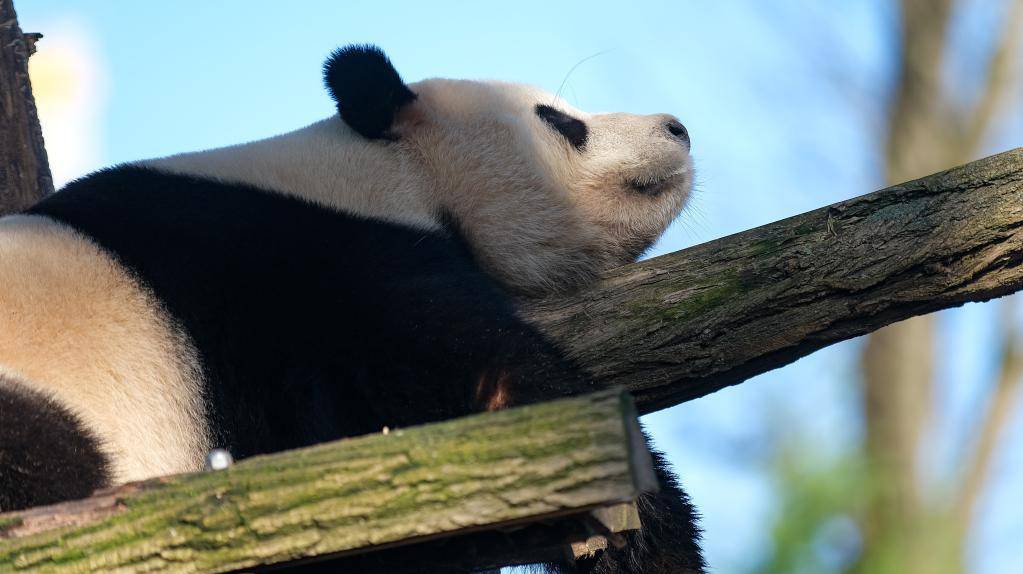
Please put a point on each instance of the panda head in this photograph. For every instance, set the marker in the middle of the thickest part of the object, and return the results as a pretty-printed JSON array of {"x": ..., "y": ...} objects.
[{"x": 547, "y": 196}]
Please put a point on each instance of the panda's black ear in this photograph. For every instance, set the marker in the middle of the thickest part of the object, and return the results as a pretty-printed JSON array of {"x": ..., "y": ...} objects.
[{"x": 367, "y": 89}]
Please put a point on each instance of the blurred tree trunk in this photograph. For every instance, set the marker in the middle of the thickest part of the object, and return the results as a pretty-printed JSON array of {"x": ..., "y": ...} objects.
[
  {"x": 24, "y": 172},
  {"x": 925, "y": 134},
  {"x": 898, "y": 360}
]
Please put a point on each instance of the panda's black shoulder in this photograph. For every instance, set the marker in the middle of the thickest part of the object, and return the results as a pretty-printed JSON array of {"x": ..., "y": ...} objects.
[
  {"x": 205, "y": 244},
  {"x": 298, "y": 312}
]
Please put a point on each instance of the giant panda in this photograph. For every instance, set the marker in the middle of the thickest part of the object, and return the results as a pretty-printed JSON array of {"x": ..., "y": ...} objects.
[{"x": 359, "y": 272}]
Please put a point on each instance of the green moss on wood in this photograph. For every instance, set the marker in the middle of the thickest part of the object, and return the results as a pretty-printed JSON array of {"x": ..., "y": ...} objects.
[
  {"x": 675, "y": 302},
  {"x": 476, "y": 472},
  {"x": 7, "y": 522}
]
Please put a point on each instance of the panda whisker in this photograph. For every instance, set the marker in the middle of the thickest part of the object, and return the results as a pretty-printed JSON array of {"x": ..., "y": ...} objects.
[{"x": 557, "y": 94}]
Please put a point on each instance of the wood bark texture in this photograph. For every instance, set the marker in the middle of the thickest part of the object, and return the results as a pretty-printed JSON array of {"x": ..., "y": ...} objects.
[
  {"x": 494, "y": 470},
  {"x": 683, "y": 325},
  {"x": 24, "y": 172}
]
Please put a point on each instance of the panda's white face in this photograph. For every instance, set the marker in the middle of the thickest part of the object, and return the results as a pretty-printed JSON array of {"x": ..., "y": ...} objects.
[{"x": 548, "y": 195}]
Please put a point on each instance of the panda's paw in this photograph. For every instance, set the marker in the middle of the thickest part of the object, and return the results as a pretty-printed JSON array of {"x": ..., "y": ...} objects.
[{"x": 668, "y": 543}]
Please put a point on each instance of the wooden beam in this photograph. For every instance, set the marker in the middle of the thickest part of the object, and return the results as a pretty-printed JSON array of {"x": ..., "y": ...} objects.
[
  {"x": 24, "y": 172},
  {"x": 493, "y": 474},
  {"x": 686, "y": 324}
]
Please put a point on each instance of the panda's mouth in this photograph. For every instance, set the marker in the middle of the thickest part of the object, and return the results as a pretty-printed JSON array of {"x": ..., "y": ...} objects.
[{"x": 657, "y": 186}]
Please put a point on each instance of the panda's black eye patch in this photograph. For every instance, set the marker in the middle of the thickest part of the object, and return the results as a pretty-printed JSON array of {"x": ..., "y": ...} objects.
[{"x": 574, "y": 130}]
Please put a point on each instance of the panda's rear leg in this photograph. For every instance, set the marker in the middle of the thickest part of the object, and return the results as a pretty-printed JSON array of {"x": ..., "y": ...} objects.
[
  {"x": 668, "y": 543},
  {"x": 46, "y": 454}
]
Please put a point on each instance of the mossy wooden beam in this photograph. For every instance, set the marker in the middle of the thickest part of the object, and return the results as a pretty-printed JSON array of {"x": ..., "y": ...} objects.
[
  {"x": 500, "y": 471},
  {"x": 686, "y": 324}
]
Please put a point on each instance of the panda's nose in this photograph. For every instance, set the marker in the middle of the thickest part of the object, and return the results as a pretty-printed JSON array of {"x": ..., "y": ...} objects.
[{"x": 678, "y": 131}]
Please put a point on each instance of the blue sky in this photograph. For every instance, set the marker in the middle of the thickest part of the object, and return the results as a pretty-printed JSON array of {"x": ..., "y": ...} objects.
[{"x": 780, "y": 100}]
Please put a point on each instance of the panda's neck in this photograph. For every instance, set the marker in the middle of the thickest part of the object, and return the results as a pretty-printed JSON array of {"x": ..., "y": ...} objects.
[{"x": 325, "y": 163}]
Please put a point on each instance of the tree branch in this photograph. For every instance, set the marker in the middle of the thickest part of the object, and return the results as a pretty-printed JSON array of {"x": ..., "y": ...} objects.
[
  {"x": 686, "y": 324},
  {"x": 24, "y": 172}
]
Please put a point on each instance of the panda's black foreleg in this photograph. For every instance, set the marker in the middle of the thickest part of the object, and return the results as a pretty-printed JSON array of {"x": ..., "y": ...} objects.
[
  {"x": 46, "y": 454},
  {"x": 668, "y": 543}
]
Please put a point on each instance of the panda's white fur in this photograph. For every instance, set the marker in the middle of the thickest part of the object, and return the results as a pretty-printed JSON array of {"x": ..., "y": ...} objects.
[
  {"x": 541, "y": 215},
  {"x": 78, "y": 328}
]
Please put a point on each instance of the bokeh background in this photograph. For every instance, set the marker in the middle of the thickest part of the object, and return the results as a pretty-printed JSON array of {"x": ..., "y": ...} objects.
[{"x": 898, "y": 453}]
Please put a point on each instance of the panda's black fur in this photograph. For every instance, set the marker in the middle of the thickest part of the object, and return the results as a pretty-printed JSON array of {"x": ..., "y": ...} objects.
[
  {"x": 310, "y": 324},
  {"x": 47, "y": 454},
  {"x": 366, "y": 88}
]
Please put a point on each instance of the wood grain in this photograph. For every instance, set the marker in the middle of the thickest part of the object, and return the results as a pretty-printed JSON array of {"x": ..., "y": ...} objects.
[{"x": 480, "y": 473}]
